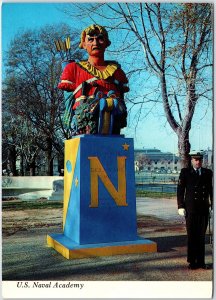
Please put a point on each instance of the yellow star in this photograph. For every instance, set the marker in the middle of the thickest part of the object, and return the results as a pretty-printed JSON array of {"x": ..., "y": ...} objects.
[
  {"x": 125, "y": 146},
  {"x": 76, "y": 182}
]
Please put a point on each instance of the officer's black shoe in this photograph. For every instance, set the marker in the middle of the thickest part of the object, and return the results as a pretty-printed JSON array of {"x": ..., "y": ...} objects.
[
  {"x": 204, "y": 266},
  {"x": 192, "y": 266}
]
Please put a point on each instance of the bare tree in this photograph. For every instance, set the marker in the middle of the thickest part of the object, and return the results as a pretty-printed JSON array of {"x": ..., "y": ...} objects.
[
  {"x": 143, "y": 160},
  {"x": 30, "y": 88},
  {"x": 18, "y": 135},
  {"x": 176, "y": 40}
]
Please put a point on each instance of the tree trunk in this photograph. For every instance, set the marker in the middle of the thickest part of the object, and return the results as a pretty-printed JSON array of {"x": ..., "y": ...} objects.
[
  {"x": 32, "y": 168},
  {"x": 49, "y": 158},
  {"x": 50, "y": 165},
  {"x": 12, "y": 160},
  {"x": 184, "y": 148},
  {"x": 21, "y": 165}
]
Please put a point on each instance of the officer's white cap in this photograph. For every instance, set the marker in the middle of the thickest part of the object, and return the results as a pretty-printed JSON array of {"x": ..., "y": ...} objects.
[{"x": 196, "y": 154}]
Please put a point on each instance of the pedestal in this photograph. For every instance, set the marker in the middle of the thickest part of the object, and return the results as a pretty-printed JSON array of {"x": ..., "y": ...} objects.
[{"x": 99, "y": 214}]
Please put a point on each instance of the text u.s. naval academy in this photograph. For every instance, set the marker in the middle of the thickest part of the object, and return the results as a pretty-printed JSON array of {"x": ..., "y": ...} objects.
[{"x": 48, "y": 285}]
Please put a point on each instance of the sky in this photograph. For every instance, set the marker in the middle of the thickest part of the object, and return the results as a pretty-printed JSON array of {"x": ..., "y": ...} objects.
[{"x": 152, "y": 132}]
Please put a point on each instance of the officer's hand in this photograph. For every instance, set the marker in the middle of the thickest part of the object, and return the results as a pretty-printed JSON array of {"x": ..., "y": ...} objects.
[{"x": 182, "y": 212}]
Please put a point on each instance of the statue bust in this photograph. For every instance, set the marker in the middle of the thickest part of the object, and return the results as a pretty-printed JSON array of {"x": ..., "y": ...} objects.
[{"x": 94, "y": 89}]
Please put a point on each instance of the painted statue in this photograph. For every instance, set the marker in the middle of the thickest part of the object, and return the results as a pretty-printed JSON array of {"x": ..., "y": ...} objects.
[{"x": 94, "y": 89}]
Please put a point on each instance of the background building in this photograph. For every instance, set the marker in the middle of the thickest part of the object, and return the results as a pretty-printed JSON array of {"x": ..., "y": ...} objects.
[{"x": 154, "y": 160}]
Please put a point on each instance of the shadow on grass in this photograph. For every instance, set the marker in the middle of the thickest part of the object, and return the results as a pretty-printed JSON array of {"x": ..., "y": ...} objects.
[{"x": 169, "y": 243}]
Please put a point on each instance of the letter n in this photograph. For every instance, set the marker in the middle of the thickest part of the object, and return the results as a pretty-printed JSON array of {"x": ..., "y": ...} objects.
[{"x": 97, "y": 170}]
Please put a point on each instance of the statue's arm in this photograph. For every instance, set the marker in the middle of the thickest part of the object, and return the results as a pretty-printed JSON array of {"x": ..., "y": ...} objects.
[{"x": 67, "y": 79}]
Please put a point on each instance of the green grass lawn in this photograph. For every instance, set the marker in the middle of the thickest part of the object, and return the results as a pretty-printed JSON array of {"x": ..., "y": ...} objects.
[
  {"x": 33, "y": 204},
  {"x": 17, "y": 204},
  {"x": 151, "y": 194}
]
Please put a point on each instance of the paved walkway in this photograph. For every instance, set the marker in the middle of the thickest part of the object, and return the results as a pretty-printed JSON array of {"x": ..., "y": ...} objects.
[{"x": 161, "y": 208}]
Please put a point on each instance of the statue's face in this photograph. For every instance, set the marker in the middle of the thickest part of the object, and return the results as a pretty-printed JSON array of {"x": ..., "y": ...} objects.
[{"x": 95, "y": 44}]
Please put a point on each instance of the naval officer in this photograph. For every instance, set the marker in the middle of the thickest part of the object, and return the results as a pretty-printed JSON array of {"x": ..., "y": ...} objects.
[{"x": 195, "y": 202}]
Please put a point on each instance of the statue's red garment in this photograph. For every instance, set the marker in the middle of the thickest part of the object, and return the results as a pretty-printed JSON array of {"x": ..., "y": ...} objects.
[{"x": 112, "y": 78}]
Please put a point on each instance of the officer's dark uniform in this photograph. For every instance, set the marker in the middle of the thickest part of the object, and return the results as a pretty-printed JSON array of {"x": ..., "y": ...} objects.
[{"x": 194, "y": 194}]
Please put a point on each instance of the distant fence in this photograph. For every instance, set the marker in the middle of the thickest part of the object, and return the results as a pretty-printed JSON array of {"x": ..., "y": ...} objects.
[
  {"x": 156, "y": 182},
  {"x": 156, "y": 178},
  {"x": 162, "y": 188}
]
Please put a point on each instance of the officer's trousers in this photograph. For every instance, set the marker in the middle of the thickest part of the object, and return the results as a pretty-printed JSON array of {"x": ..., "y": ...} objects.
[{"x": 196, "y": 228}]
